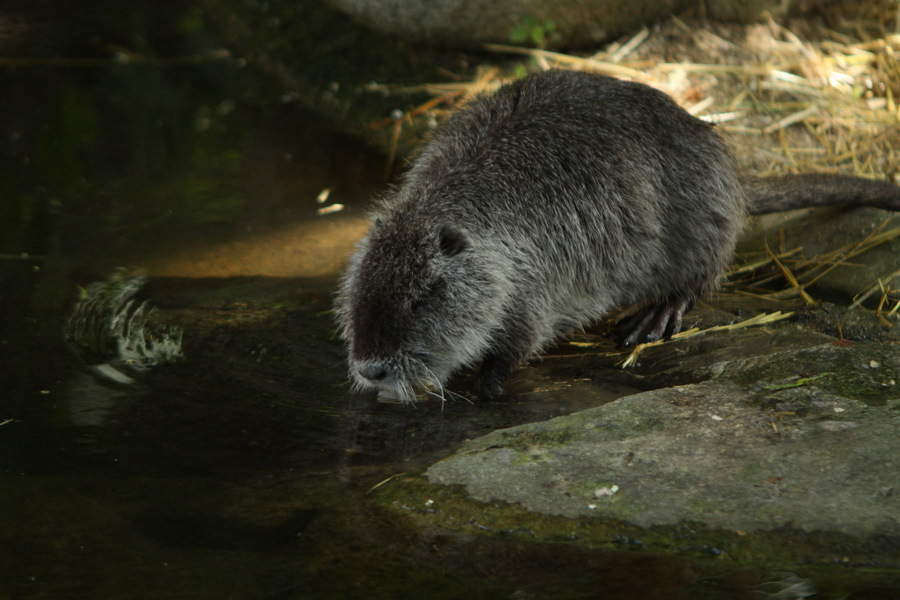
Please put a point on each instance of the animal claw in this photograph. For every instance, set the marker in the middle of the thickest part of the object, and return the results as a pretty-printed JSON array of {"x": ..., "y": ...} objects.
[{"x": 657, "y": 321}]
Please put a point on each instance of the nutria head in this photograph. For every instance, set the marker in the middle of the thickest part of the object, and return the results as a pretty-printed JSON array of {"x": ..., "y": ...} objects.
[{"x": 418, "y": 302}]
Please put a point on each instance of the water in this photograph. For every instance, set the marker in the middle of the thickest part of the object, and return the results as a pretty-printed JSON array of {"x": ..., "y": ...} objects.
[{"x": 241, "y": 470}]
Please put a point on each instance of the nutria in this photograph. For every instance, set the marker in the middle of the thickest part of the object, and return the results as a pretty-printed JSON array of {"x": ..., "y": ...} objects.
[{"x": 559, "y": 199}]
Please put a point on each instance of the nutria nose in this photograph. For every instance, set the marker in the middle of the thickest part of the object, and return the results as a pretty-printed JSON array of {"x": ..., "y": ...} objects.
[{"x": 372, "y": 371}]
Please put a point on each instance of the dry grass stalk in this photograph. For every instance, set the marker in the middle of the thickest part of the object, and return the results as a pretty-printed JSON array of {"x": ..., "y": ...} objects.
[
  {"x": 885, "y": 290},
  {"x": 752, "y": 267},
  {"x": 847, "y": 252},
  {"x": 760, "y": 319},
  {"x": 895, "y": 309},
  {"x": 556, "y": 59},
  {"x": 789, "y": 276},
  {"x": 880, "y": 285},
  {"x": 758, "y": 273},
  {"x": 826, "y": 105}
]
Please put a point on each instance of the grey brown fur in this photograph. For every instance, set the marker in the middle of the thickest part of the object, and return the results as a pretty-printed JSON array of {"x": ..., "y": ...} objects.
[{"x": 559, "y": 199}]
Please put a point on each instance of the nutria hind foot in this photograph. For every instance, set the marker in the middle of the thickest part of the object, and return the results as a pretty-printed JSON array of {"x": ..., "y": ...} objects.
[{"x": 655, "y": 322}]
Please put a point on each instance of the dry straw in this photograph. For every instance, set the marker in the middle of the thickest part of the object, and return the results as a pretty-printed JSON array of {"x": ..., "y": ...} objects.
[{"x": 812, "y": 95}]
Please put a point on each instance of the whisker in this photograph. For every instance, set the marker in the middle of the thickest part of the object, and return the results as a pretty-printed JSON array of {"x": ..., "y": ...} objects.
[
  {"x": 456, "y": 396},
  {"x": 407, "y": 393},
  {"x": 432, "y": 380},
  {"x": 437, "y": 395},
  {"x": 442, "y": 392}
]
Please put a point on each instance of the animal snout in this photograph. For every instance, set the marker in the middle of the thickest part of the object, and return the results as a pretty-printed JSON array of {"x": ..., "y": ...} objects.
[{"x": 372, "y": 371}]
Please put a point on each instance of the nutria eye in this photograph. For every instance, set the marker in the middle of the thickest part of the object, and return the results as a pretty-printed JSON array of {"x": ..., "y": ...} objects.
[{"x": 452, "y": 242}]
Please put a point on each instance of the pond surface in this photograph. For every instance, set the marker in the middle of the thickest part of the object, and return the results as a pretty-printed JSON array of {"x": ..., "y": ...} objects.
[{"x": 242, "y": 469}]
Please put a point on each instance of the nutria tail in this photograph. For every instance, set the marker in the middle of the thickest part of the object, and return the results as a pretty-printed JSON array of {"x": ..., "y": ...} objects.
[{"x": 787, "y": 192}]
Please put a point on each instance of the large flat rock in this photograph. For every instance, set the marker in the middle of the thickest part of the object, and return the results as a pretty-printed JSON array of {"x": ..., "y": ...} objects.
[
  {"x": 807, "y": 452},
  {"x": 708, "y": 453}
]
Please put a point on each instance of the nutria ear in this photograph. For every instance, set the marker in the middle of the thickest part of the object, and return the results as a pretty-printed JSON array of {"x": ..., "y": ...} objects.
[{"x": 452, "y": 242}]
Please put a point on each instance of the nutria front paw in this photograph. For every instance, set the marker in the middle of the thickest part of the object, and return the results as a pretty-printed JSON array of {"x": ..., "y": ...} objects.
[{"x": 494, "y": 371}]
